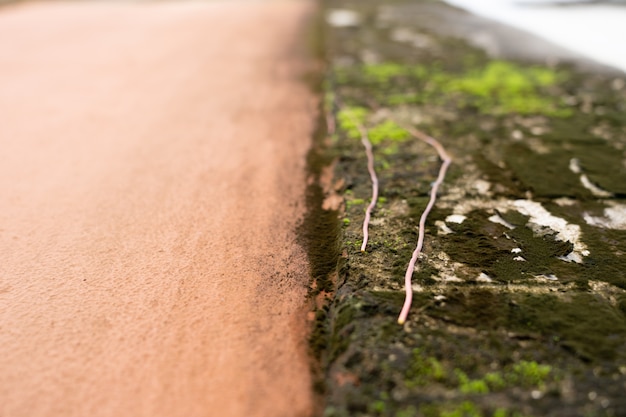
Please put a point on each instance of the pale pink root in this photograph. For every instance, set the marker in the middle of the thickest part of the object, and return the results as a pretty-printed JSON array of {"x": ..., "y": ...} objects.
[
  {"x": 420, "y": 240},
  {"x": 370, "y": 167}
]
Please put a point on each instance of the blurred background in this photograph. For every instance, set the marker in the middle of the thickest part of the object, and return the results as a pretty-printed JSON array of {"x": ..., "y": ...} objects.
[{"x": 594, "y": 28}]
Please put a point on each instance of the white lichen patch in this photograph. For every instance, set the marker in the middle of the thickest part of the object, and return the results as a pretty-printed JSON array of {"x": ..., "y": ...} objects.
[
  {"x": 417, "y": 288},
  {"x": 399, "y": 208},
  {"x": 536, "y": 394},
  {"x": 484, "y": 278},
  {"x": 378, "y": 221},
  {"x": 595, "y": 190},
  {"x": 496, "y": 218},
  {"x": 482, "y": 187},
  {"x": 369, "y": 56},
  {"x": 442, "y": 228},
  {"x": 470, "y": 186},
  {"x": 540, "y": 221},
  {"x": 341, "y": 18},
  {"x": 564, "y": 202},
  {"x": 464, "y": 206},
  {"x": 537, "y": 146},
  {"x": 449, "y": 278},
  {"x": 614, "y": 217},
  {"x": 456, "y": 218},
  {"x": 549, "y": 277},
  {"x": 538, "y": 130},
  {"x": 447, "y": 270},
  {"x": 609, "y": 292},
  {"x": 540, "y": 218},
  {"x": 572, "y": 257},
  {"x": 574, "y": 166},
  {"x": 406, "y": 35},
  {"x": 518, "y": 258}
]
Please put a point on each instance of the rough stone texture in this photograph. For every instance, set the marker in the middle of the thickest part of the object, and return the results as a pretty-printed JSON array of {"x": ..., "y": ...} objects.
[{"x": 520, "y": 296}]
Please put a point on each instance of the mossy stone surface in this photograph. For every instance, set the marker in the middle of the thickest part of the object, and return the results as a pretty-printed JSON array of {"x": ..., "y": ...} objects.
[{"x": 520, "y": 296}]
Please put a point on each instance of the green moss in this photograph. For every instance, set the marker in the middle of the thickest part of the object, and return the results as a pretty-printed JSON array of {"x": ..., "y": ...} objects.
[
  {"x": 383, "y": 73},
  {"x": 499, "y": 87},
  {"x": 354, "y": 202},
  {"x": 530, "y": 373},
  {"x": 387, "y": 130},
  {"x": 350, "y": 118},
  {"x": 470, "y": 386},
  {"x": 382, "y": 163},
  {"x": 503, "y": 412},
  {"x": 378, "y": 406},
  {"x": 465, "y": 409},
  {"x": 505, "y": 87},
  {"x": 423, "y": 370},
  {"x": 495, "y": 380}
]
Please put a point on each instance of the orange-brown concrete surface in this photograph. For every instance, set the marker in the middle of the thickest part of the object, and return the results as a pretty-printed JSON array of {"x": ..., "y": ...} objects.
[{"x": 151, "y": 179}]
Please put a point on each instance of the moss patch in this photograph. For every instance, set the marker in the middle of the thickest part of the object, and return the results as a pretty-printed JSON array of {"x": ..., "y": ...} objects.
[
  {"x": 387, "y": 131},
  {"x": 505, "y": 87}
]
